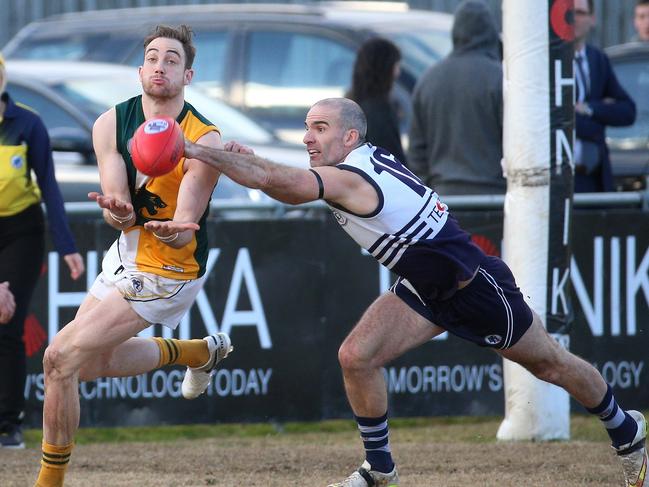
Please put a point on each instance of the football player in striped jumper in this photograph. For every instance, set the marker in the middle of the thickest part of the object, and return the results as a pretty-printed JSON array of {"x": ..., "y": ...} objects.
[{"x": 445, "y": 282}]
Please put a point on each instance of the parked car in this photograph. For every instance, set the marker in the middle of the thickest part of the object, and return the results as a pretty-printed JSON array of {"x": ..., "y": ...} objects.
[
  {"x": 272, "y": 61},
  {"x": 629, "y": 146},
  {"x": 69, "y": 96}
]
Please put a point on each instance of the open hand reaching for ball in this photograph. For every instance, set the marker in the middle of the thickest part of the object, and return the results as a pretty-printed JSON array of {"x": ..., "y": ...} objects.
[
  {"x": 120, "y": 212},
  {"x": 118, "y": 208},
  {"x": 171, "y": 232}
]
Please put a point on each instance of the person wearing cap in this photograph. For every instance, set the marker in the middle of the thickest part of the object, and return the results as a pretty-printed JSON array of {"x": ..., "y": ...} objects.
[{"x": 24, "y": 150}]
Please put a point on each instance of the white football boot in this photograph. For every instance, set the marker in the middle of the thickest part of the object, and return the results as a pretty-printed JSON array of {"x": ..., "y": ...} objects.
[
  {"x": 366, "y": 477},
  {"x": 197, "y": 379},
  {"x": 633, "y": 455}
]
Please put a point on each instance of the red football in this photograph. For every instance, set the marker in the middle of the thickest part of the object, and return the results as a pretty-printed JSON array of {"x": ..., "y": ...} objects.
[{"x": 157, "y": 146}]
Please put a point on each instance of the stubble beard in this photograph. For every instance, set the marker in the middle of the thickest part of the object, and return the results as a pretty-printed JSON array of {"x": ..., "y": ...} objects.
[{"x": 161, "y": 93}]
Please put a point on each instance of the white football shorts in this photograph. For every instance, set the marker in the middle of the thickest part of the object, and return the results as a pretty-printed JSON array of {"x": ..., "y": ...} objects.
[{"x": 157, "y": 299}]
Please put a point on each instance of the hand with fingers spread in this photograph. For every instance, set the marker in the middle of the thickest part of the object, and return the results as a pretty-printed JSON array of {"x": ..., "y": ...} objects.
[
  {"x": 7, "y": 303},
  {"x": 173, "y": 233},
  {"x": 120, "y": 212}
]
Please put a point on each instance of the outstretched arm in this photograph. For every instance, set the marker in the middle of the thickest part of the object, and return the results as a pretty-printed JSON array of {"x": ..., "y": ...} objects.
[
  {"x": 289, "y": 184},
  {"x": 284, "y": 183}
]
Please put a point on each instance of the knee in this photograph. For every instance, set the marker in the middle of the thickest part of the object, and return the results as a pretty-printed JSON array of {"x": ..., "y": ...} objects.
[
  {"x": 59, "y": 362},
  {"x": 352, "y": 356}
]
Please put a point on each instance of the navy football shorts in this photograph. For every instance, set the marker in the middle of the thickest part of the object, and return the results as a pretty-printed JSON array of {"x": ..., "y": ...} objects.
[{"x": 490, "y": 311}]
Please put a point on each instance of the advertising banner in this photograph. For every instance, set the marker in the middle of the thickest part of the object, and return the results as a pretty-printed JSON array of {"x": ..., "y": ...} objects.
[{"x": 288, "y": 291}]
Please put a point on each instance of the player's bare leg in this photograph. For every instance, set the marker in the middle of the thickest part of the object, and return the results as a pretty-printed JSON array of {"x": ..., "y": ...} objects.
[
  {"x": 539, "y": 353},
  {"x": 387, "y": 330},
  {"x": 100, "y": 342},
  {"x": 98, "y": 326},
  {"x": 101, "y": 328},
  {"x": 547, "y": 360}
]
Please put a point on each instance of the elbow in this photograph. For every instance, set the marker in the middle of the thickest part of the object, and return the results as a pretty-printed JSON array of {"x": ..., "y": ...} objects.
[{"x": 292, "y": 200}]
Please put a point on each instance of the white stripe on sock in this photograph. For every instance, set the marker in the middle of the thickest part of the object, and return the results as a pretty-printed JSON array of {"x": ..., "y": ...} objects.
[{"x": 616, "y": 420}]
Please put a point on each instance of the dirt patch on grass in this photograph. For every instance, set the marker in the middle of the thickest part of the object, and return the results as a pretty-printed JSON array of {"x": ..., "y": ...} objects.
[{"x": 316, "y": 459}]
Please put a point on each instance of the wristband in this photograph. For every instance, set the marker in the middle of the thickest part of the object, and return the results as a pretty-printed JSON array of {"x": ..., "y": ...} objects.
[
  {"x": 121, "y": 219},
  {"x": 168, "y": 238}
]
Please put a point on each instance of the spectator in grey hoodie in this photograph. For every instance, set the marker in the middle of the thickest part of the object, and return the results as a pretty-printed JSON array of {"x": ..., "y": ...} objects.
[{"x": 457, "y": 121}]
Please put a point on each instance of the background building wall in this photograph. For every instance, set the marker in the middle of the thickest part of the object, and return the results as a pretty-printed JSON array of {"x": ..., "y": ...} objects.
[{"x": 614, "y": 17}]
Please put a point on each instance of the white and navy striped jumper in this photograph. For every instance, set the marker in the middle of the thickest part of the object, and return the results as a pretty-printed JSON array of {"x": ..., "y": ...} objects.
[{"x": 411, "y": 231}]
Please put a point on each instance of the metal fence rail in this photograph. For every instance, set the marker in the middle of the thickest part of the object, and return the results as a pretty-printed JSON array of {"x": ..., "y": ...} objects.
[{"x": 630, "y": 199}]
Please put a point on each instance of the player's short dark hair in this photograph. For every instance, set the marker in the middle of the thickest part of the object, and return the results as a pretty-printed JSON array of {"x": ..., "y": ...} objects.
[
  {"x": 351, "y": 115},
  {"x": 639, "y": 3},
  {"x": 183, "y": 33},
  {"x": 591, "y": 6}
]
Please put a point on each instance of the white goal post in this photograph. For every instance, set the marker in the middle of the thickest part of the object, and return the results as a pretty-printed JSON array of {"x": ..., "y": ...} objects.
[{"x": 538, "y": 133}]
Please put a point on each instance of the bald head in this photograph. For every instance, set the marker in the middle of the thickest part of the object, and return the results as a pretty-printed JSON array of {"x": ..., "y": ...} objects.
[{"x": 351, "y": 115}]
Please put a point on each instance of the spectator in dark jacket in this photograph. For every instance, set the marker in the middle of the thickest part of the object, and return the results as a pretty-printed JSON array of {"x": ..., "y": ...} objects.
[
  {"x": 457, "y": 122},
  {"x": 600, "y": 101},
  {"x": 24, "y": 149},
  {"x": 376, "y": 67}
]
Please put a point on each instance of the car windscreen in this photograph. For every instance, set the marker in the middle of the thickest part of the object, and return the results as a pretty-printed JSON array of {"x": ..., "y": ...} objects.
[
  {"x": 108, "y": 47},
  {"x": 94, "y": 96},
  {"x": 633, "y": 75}
]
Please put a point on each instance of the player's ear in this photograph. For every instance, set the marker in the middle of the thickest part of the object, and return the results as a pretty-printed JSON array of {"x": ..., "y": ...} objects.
[
  {"x": 189, "y": 74},
  {"x": 351, "y": 137}
]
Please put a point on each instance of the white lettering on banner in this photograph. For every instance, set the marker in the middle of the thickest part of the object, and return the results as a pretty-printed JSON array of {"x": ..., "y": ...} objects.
[
  {"x": 58, "y": 299},
  {"x": 562, "y": 146},
  {"x": 243, "y": 275},
  {"x": 636, "y": 278},
  {"x": 560, "y": 82},
  {"x": 615, "y": 286},
  {"x": 35, "y": 383},
  {"x": 160, "y": 384},
  {"x": 624, "y": 374},
  {"x": 443, "y": 378},
  {"x": 238, "y": 382},
  {"x": 559, "y": 290},
  {"x": 594, "y": 312}
]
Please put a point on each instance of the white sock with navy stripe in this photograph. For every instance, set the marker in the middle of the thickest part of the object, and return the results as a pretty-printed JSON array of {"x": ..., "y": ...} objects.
[
  {"x": 619, "y": 425},
  {"x": 375, "y": 436}
]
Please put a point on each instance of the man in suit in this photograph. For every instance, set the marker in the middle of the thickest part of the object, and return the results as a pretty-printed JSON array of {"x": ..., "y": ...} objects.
[{"x": 600, "y": 101}]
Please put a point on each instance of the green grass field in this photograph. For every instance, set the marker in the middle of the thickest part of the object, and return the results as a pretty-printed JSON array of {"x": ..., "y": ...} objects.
[{"x": 469, "y": 429}]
